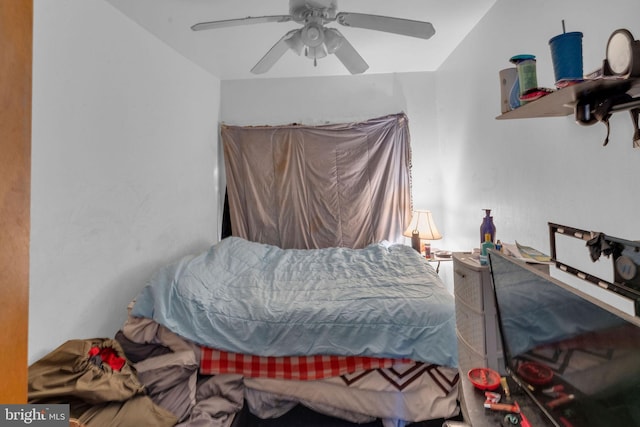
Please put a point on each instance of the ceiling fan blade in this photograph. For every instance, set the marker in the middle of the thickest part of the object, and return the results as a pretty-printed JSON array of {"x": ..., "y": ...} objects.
[
  {"x": 349, "y": 57},
  {"x": 405, "y": 27},
  {"x": 273, "y": 55},
  {"x": 240, "y": 21}
]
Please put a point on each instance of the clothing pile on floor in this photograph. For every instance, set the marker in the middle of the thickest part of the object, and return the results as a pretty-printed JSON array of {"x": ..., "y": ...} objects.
[{"x": 146, "y": 376}]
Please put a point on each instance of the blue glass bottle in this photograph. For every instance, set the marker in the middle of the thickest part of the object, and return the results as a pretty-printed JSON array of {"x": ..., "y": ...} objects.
[{"x": 487, "y": 227}]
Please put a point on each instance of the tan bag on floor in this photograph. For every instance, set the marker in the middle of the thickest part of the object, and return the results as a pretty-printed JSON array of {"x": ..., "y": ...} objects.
[{"x": 98, "y": 395}]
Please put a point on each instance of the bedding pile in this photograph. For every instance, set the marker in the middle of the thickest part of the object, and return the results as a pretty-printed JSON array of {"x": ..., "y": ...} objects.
[
  {"x": 252, "y": 298},
  {"x": 359, "y": 334},
  {"x": 404, "y": 392}
]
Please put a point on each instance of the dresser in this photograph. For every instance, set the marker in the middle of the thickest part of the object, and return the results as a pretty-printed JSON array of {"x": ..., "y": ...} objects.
[{"x": 479, "y": 343}]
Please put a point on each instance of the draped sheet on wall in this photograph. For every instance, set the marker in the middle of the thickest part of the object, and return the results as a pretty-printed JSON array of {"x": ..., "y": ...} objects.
[{"x": 338, "y": 185}]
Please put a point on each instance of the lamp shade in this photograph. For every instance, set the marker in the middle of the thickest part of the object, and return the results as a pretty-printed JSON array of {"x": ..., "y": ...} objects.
[{"x": 422, "y": 222}]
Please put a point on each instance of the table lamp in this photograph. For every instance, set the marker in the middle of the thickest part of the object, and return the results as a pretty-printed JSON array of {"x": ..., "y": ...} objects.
[{"x": 422, "y": 227}]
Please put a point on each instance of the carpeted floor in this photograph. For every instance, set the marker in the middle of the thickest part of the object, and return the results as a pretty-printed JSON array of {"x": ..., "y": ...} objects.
[{"x": 303, "y": 417}]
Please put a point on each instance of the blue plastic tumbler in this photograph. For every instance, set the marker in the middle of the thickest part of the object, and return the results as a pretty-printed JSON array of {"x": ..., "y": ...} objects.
[{"x": 566, "y": 54}]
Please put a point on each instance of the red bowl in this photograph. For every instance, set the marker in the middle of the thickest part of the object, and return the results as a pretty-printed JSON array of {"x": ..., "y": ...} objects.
[{"x": 484, "y": 378}]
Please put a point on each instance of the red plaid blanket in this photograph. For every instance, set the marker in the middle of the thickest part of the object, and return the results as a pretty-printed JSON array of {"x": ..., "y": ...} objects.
[{"x": 317, "y": 367}]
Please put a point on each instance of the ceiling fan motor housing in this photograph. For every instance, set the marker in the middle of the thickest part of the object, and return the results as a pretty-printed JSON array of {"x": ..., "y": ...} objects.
[{"x": 300, "y": 10}]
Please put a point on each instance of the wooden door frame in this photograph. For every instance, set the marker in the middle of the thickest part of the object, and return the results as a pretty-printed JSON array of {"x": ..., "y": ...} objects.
[{"x": 16, "y": 53}]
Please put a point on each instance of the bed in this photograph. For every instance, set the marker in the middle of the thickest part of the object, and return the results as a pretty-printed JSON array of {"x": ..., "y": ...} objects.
[{"x": 360, "y": 334}]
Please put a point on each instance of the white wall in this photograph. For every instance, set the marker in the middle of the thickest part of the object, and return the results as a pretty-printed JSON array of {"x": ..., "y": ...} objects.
[
  {"x": 124, "y": 152},
  {"x": 535, "y": 170}
]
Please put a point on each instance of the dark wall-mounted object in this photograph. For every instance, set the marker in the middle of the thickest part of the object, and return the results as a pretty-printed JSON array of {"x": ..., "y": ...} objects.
[{"x": 625, "y": 255}]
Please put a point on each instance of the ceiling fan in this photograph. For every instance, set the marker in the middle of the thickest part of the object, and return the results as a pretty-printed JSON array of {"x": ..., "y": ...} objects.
[{"x": 316, "y": 40}]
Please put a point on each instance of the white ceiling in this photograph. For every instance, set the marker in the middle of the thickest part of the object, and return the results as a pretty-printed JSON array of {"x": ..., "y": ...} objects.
[{"x": 230, "y": 53}]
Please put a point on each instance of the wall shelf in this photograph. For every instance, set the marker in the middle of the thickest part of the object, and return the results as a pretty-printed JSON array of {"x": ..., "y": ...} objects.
[{"x": 561, "y": 102}]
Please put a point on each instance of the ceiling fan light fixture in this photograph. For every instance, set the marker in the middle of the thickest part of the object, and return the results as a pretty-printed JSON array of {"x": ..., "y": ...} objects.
[
  {"x": 332, "y": 40},
  {"x": 313, "y": 34},
  {"x": 316, "y": 53},
  {"x": 295, "y": 42}
]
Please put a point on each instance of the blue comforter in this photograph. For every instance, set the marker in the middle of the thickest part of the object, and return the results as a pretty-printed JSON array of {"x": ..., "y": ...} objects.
[{"x": 244, "y": 297}]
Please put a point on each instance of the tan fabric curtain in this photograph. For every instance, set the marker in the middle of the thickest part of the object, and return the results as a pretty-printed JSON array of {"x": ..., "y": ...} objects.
[{"x": 340, "y": 185}]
